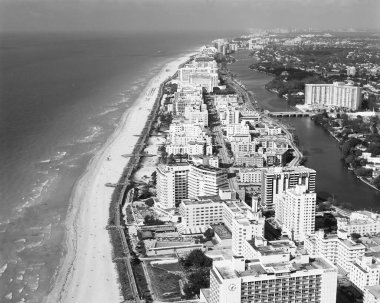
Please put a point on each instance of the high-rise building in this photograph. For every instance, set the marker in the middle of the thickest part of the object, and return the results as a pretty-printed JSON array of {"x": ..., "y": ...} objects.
[
  {"x": 276, "y": 180},
  {"x": 337, "y": 94},
  {"x": 206, "y": 181},
  {"x": 295, "y": 210},
  {"x": 304, "y": 279},
  {"x": 172, "y": 184}
]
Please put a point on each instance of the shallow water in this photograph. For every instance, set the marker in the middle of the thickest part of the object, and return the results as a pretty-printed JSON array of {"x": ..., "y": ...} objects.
[{"x": 61, "y": 96}]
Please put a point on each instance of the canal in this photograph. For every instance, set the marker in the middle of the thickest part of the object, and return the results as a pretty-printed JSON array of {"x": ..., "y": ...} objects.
[{"x": 321, "y": 150}]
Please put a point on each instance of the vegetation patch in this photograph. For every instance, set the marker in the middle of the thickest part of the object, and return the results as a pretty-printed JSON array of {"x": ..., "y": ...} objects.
[{"x": 164, "y": 282}]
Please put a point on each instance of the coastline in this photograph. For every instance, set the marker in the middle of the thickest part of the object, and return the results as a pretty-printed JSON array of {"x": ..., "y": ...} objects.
[{"x": 87, "y": 272}]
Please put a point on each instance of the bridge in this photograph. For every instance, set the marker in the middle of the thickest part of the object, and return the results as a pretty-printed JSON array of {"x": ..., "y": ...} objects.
[{"x": 290, "y": 114}]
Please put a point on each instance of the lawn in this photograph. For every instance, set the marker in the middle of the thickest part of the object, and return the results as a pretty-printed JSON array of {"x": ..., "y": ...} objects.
[{"x": 165, "y": 284}]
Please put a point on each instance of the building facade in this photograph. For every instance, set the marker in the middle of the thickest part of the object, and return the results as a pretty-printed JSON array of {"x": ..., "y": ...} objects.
[
  {"x": 335, "y": 95},
  {"x": 295, "y": 211},
  {"x": 172, "y": 184},
  {"x": 276, "y": 180},
  {"x": 206, "y": 180}
]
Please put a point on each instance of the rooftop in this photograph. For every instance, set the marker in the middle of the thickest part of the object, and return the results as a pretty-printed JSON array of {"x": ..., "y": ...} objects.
[
  {"x": 227, "y": 272},
  {"x": 222, "y": 231},
  {"x": 285, "y": 267},
  {"x": 374, "y": 290}
]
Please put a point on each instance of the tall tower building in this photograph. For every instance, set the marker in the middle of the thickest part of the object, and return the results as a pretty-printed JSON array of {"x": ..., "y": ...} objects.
[
  {"x": 172, "y": 184},
  {"x": 276, "y": 180},
  {"x": 295, "y": 210}
]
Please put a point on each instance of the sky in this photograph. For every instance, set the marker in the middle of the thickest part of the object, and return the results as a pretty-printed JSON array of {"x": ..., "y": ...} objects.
[{"x": 183, "y": 15}]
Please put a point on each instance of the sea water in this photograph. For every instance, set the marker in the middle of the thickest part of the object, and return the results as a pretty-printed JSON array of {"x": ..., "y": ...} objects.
[{"x": 61, "y": 97}]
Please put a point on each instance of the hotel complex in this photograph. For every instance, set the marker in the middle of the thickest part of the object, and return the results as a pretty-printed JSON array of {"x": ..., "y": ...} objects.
[
  {"x": 208, "y": 170},
  {"x": 333, "y": 95}
]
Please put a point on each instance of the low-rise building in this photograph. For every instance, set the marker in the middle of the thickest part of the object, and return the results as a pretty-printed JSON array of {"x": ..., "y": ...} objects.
[
  {"x": 249, "y": 160},
  {"x": 337, "y": 248},
  {"x": 365, "y": 271},
  {"x": 250, "y": 175},
  {"x": 360, "y": 222}
]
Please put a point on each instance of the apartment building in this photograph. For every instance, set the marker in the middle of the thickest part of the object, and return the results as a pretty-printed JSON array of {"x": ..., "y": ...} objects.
[
  {"x": 360, "y": 222},
  {"x": 237, "y": 129},
  {"x": 196, "y": 115},
  {"x": 225, "y": 100},
  {"x": 337, "y": 248},
  {"x": 335, "y": 95},
  {"x": 199, "y": 213},
  {"x": 204, "y": 211},
  {"x": 365, "y": 271},
  {"x": 250, "y": 175},
  {"x": 244, "y": 230},
  {"x": 295, "y": 211},
  {"x": 172, "y": 184},
  {"x": 206, "y": 180},
  {"x": 276, "y": 180},
  {"x": 241, "y": 147},
  {"x": 249, "y": 160}
]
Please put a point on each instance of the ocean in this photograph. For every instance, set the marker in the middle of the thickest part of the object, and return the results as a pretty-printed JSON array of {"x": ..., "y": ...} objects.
[{"x": 61, "y": 96}]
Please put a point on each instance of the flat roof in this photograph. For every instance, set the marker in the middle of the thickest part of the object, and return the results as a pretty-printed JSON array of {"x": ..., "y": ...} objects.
[
  {"x": 198, "y": 202},
  {"x": 374, "y": 290},
  {"x": 222, "y": 231},
  {"x": 285, "y": 267},
  {"x": 227, "y": 272}
]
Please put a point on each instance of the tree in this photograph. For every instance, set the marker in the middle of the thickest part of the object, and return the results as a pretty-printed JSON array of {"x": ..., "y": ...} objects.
[
  {"x": 376, "y": 182},
  {"x": 363, "y": 172},
  {"x": 154, "y": 178},
  {"x": 346, "y": 147},
  {"x": 209, "y": 234},
  {"x": 197, "y": 259},
  {"x": 197, "y": 280},
  {"x": 151, "y": 220},
  {"x": 149, "y": 202}
]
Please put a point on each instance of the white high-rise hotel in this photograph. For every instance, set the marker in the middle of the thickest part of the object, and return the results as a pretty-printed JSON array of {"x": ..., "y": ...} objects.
[
  {"x": 179, "y": 181},
  {"x": 337, "y": 94},
  {"x": 295, "y": 210}
]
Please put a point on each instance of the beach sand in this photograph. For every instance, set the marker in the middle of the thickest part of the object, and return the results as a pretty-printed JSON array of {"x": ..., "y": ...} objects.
[{"x": 87, "y": 273}]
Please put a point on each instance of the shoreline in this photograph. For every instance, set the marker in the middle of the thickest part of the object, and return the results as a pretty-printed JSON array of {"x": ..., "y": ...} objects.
[{"x": 87, "y": 272}]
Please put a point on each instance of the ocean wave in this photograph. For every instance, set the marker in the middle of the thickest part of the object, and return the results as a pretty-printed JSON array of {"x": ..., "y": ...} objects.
[
  {"x": 107, "y": 111},
  {"x": 9, "y": 296},
  {"x": 32, "y": 281},
  {"x": 35, "y": 195},
  {"x": 94, "y": 131},
  {"x": 3, "y": 269}
]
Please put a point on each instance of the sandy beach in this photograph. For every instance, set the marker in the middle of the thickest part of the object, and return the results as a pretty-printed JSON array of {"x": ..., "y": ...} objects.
[{"x": 87, "y": 272}]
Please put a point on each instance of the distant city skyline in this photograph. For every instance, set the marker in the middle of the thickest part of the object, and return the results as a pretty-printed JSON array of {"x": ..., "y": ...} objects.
[{"x": 180, "y": 15}]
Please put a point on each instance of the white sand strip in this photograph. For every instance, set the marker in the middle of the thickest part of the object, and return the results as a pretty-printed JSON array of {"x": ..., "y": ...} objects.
[{"x": 87, "y": 273}]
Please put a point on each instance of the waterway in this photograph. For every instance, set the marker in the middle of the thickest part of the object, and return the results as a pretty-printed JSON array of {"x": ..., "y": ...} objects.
[{"x": 321, "y": 149}]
